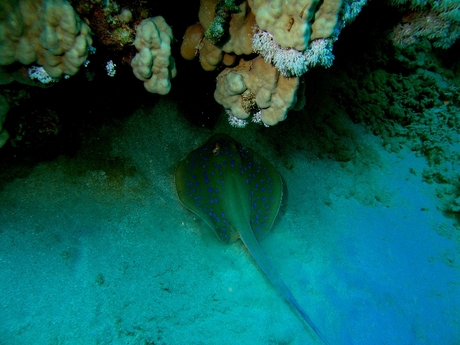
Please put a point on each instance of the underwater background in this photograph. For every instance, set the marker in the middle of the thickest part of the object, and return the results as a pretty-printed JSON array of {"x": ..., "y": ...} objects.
[{"x": 95, "y": 247}]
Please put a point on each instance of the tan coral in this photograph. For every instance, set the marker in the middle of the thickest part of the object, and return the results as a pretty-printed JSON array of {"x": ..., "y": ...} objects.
[
  {"x": 240, "y": 32},
  {"x": 287, "y": 21},
  {"x": 230, "y": 86},
  {"x": 44, "y": 32},
  {"x": 295, "y": 23},
  {"x": 274, "y": 94},
  {"x": 281, "y": 31},
  {"x": 211, "y": 56},
  {"x": 154, "y": 64},
  {"x": 192, "y": 41},
  {"x": 229, "y": 59},
  {"x": 238, "y": 42},
  {"x": 326, "y": 19}
]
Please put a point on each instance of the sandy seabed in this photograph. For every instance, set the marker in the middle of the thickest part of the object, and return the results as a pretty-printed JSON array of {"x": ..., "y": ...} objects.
[{"x": 96, "y": 248}]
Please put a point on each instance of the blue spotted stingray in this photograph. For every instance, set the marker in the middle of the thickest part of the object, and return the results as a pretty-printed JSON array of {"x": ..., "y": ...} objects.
[{"x": 238, "y": 193}]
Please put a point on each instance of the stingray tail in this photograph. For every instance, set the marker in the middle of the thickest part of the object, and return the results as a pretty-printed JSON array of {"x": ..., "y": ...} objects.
[{"x": 253, "y": 245}]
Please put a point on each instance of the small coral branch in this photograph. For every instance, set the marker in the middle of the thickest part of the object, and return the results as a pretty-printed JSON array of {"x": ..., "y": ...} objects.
[{"x": 220, "y": 24}]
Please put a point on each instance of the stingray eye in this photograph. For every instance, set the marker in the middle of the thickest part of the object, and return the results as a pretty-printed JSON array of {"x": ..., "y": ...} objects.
[{"x": 216, "y": 149}]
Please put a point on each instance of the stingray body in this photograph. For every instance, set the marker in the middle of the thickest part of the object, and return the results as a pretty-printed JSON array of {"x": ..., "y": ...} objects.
[{"x": 238, "y": 193}]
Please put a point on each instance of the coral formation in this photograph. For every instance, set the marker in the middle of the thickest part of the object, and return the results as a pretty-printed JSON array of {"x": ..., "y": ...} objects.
[
  {"x": 291, "y": 36},
  {"x": 438, "y": 21},
  {"x": 261, "y": 48},
  {"x": 154, "y": 64},
  {"x": 237, "y": 40},
  {"x": 44, "y": 32},
  {"x": 293, "y": 24},
  {"x": 218, "y": 27},
  {"x": 289, "y": 61},
  {"x": 190, "y": 47},
  {"x": 413, "y": 104},
  {"x": 420, "y": 112},
  {"x": 255, "y": 86},
  {"x": 47, "y": 34},
  {"x": 113, "y": 25}
]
